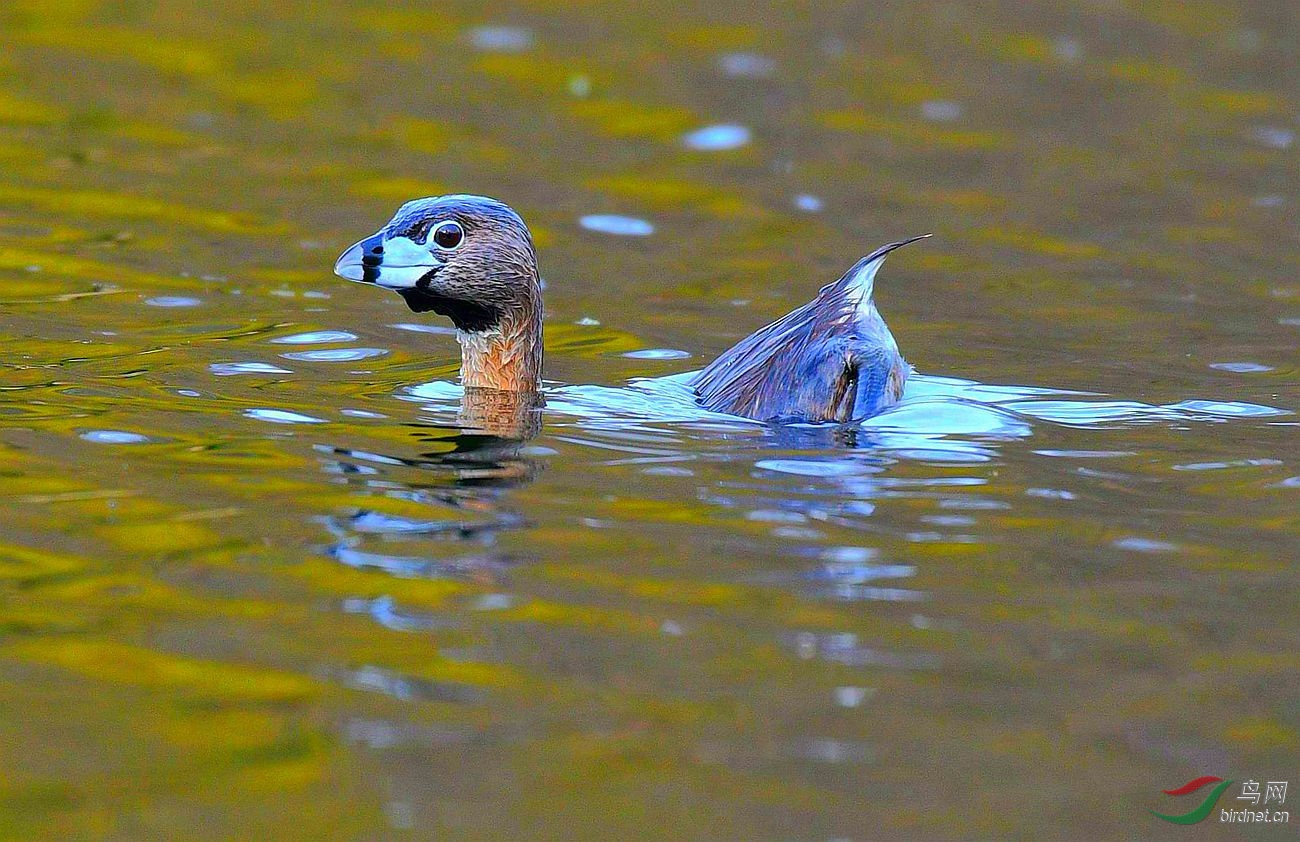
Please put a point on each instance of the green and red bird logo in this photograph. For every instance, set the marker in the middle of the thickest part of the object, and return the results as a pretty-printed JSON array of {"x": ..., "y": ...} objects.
[{"x": 1206, "y": 807}]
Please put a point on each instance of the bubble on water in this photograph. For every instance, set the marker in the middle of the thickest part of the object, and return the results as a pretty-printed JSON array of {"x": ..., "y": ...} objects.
[
  {"x": 1289, "y": 482},
  {"x": 1242, "y": 368},
  {"x": 833, "y": 46},
  {"x": 172, "y": 301},
  {"x": 717, "y": 138},
  {"x": 1246, "y": 40},
  {"x": 833, "y": 751},
  {"x": 579, "y": 85},
  {"x": 114, "y": 437},
  {"x": 336, "y": 355},
  {"x": 400, "y": 814},
  {"x": 230, "y": 369},
  {"x": 587, "y": 321},
  {"x": 746, "y": 65},
  {"x": 280, "y": 416},
  {"x": 188, "y": 393},
  {"x": 1144, "y": 545},
  {"x": 493, "y": 602},
  {"x": 851, "y": 697},
  {"x": 1067, "y": 49},
  {"x": 942, "y": 110},
  {"x": 501, "y": 39},
  {"x": 808, "y": 203},
  {"x": 1274, "y": 136},
  {"x": 658, "y": 354},
  {"x": 621, "y": 226},
  {"x": 315, "y": 337}
]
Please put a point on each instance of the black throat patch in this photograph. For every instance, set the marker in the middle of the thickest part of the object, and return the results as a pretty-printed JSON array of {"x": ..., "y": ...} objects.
[{"x": 466, "y": 315}]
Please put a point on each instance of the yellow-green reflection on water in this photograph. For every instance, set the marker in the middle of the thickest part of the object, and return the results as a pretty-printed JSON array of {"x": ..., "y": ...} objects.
[{"x": 253, "y": 590}]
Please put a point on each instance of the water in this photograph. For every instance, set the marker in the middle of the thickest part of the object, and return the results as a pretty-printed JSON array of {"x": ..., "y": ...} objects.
[{"x": 267, "y": 574}]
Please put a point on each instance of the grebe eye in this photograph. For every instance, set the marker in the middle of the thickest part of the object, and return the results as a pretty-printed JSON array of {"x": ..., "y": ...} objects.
[{"x": 447, "y": 235}]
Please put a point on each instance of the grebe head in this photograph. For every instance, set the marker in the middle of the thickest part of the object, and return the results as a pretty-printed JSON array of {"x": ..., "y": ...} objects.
[{"x": 469, "y": 258}]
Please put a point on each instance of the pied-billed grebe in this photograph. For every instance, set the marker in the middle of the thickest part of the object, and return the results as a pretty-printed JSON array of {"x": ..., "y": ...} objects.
[{"x": 471, "y": 259}]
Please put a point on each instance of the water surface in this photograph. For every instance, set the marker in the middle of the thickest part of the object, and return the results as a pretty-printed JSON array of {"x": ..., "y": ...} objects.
[{"x": 263, "y": 579}]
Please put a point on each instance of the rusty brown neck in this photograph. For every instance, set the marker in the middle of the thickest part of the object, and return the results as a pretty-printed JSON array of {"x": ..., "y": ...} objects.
[{"x": 509, "y": 356}]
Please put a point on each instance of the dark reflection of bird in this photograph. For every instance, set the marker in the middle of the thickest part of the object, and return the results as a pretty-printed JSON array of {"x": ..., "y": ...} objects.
[
  {"x": 471, "y": 258},
  {"x": 462, "y": 477}
]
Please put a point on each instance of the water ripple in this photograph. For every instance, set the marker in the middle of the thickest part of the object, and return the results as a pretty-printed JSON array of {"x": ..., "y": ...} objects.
[
  {"x": 230, "y": 369},
  {"x": 621, "y": 226},
  {"x": 1242, "y": 367},
  {"x": 336, "y": 355},
  {"x": 501, "y": 39},
  {"x": 281, "y": 416},
  {"x": 816, "y": 467},
  {"x": 315, "y": 337},
  {"x": 172, "y": 301},
  {"x": 114, "y": 437},
  {"x": 746, "y": 65},
  {"x": 658, "y": 354},
  {"x": 717, "y": 138}
]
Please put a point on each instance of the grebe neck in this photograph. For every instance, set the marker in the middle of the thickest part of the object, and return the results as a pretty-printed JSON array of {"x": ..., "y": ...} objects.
[{"x": 507, "y": 356}]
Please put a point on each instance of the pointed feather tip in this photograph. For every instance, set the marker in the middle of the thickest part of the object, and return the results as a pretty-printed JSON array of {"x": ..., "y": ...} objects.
[
  {"x": 876, "y": 255},
  {"x": 886, "y": 249},
  {"x": 862, "y": 275}
]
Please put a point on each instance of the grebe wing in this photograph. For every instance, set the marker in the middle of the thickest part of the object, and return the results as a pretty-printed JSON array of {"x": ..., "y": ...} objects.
[
  {"x": 833, "y": 359},
  {"x": 808, "y": 366}
]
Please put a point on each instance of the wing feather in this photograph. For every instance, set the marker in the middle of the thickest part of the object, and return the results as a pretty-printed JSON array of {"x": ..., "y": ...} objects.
[
  {"x": 808, "y": 365},
  {"x": 833, "y": 359}
]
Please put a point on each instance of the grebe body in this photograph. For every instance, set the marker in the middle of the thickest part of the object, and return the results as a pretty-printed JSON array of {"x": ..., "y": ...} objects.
[{"x": 471, "y": 258}]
